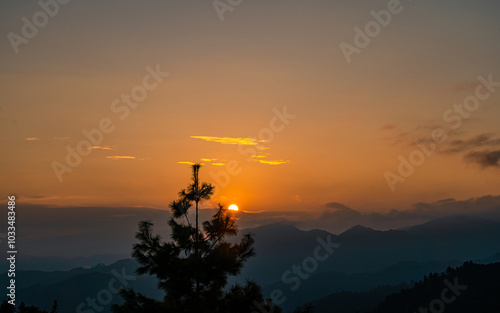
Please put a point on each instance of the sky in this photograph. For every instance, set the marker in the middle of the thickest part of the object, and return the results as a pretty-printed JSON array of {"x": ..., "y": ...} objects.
[{"x": 290, "y": 105}]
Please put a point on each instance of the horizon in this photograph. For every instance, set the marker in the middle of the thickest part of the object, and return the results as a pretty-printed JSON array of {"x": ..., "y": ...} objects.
[{"x": 57, "y": 231}]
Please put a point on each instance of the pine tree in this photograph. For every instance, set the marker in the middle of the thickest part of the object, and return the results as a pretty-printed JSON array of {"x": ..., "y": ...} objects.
[
  {"x": 6, "y": 307},
  {"x": 55, "y": 307},
  {"x": 29, "y": 309},
  {"x": 193, "y": 268}
]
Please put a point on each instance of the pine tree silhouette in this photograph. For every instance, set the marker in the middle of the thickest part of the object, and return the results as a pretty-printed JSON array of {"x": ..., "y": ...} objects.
[
  {"x": 193, "y": 268},
  {"x": 6, "y": 307}
]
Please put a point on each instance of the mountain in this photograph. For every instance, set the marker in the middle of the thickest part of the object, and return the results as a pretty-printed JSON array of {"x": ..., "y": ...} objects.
[
  {"x": 492, "y": 259},
  {"x": 353, "y": 261},
  {"x": 29, "y": 278},
  {"x": 354, "y": 302},
  {"x": 279, "y": 247},
  {"x": 449, "y": 225},
  {"x": 480, "y": 293},
  {"x": 469, "y": 288},
  {"x": 72, "y": 289},
  {"x": 322, "y": 284},
  {"x": 61, "y": 264},
  {"x": 358, "y": 231}
]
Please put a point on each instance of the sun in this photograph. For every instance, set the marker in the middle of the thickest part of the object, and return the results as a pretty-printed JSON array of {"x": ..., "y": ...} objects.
[{"x": 233, "y": 207}]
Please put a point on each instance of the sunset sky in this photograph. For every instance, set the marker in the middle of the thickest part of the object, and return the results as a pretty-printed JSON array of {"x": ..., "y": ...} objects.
[{"x": 264, "y": 98}]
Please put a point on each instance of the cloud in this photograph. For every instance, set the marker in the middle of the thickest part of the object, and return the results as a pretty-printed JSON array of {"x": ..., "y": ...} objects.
[
  {"x": 387, "y": 127},
  {"x": 337, "y": 217},
  {"x": 84, "y": 231},
  {"x": 273, "y": 162},
  {"x": 49, "y": 226},
  {"x": 101, "y": 148},
  {"x": 339, "y": 212},
  {"x": 231, "y": 141},
  {"x": 241, "y": 142},
  {"x": 32, "y": 139},
  {"x": 220, "y": 163},
  {"x": 336, "y": 205},
  {"x": 484, "y": 158},
  {"x": 468, "y": 147},
  {"x": 466, "y": 85},
  {"x": 121, "y": 157},
  {"x": 480, "y": 140}
]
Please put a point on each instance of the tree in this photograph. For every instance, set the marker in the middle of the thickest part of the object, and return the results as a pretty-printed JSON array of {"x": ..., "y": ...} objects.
[
  {"x": 6, "y": 307},
  {"x": 193, "y": 268},
  {"x": 55, "y": 307},
  {"x": 29, "y": 309},
  {"x": 306, "y": 308}
]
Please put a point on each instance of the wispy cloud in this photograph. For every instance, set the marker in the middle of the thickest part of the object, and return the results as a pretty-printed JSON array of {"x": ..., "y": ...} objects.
[
  {"x": 279, "y": 162},
  {"x": 32, "y": 139},
  {"x": 466, "y": 85},
  {"x": 337, "y": 217},
  {"x": 231, "y": 141},
  {"x": 484, "y": 158},
  {"x": 481, "y": 140},
  {"x": 387, "y": 127},
  {"x": 121, "y": 157},
  {"x": 101, "y": 148},
  {"x": 482, "y": 149},
  {"x": 258, "y": 157},
  {"x": 220, "y": 162},
  {"x": 186, "y": 162}
]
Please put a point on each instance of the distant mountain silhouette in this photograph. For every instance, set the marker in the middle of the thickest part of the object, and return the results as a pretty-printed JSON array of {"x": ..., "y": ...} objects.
[
  {"x": 481, "y": 295},
  {"x": 61, "y": 264},
  {"x": 29, "y": 278},
  {"x": 492, "y": 259},
  {"x": 71, "y": 288},
  {"x": 358, "y": 231},
  {"x": 278, "y": 246},
  {"x": 365, "y": 259},
  {"x": 322, "y": 284},
  {"x": 354, "y": 302},
  {"x": 449, "y": 225},
  {"x": 480, "y": 292},
  {"x": 365, "y": 250}
]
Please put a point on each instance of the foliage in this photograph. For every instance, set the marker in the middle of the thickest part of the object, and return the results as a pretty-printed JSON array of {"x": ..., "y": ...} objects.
[
  {"x": 193, "y": 267},
  {"x": 479, "y": 291},
  {"x": 6, "y": 307}
]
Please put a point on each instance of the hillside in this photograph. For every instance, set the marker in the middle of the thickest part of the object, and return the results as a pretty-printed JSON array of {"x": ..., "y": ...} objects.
[
  {"x": 365, "y": 259},
  {"x": 469, "y": 288}
]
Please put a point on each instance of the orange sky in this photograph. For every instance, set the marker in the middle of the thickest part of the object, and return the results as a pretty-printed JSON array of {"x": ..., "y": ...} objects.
[{"x": 226, "y": 81}]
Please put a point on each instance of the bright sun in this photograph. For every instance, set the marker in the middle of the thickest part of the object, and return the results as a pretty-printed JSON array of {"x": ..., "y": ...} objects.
[{"x": 233, "y": 207}]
